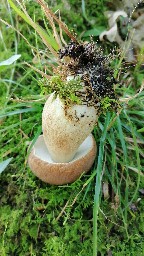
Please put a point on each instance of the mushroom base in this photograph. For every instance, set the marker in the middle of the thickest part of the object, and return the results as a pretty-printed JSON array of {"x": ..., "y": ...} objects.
[{"x": 50, "y": 172}]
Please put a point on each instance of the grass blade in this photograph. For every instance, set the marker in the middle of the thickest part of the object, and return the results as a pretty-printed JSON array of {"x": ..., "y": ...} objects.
[
  {"x": 18, "y": 111},
  {"x": 125, "y": 161},
  {"x": 34, "y": 140},
  {"x": 4, "y": 164},
  {"x": 137, "y": 151},
  {"x": 98, "y": 183},
  {"x": 51, "y": 44},
  {"x": 19, "y": 12}
]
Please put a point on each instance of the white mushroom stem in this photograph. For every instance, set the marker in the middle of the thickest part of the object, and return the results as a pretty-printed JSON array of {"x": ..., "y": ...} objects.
[{"x": 66, "y": 127}]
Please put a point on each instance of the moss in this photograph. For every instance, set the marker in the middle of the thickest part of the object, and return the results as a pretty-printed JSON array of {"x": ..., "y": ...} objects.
[
  {"x": 107, "y": 103},
  {"x": 65, "y": 89}
]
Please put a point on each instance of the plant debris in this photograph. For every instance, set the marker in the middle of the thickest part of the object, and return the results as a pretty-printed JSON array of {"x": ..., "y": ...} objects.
[
  {"x": 87, "y": 61},
  {"x": 126, "y": 27}
]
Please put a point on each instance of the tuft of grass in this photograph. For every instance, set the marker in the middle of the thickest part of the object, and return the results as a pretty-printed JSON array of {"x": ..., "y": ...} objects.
[{"x": 99, "y": 174}]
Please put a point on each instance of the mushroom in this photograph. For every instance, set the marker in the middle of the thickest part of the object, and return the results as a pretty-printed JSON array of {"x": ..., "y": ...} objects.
[{"x": 67, "y": 149}]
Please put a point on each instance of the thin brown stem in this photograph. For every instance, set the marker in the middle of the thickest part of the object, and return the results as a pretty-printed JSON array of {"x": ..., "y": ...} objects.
[{"x": 61, "y": 24}]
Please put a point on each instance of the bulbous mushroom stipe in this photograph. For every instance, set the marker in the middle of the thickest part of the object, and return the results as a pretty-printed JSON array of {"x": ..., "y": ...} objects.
[{"x": 65, "y": 129}]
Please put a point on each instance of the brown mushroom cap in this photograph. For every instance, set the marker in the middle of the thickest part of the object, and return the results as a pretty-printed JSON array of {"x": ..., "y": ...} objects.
[{"x": 50, "y": 172}]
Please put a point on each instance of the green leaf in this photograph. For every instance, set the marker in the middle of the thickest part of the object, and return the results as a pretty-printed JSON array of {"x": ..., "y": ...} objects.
[
  {"x": 4, "y": 164},
  {"x": 141, "y": 130},
  {"x": 9, "y": 61},
  {"x": 94, "y": 32}
]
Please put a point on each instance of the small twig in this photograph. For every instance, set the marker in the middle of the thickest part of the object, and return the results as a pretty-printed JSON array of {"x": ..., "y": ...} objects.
[
  {"x": 131, "y": 140},
  {"x": 10, "y": 26},
  {"x": 22, "y": 132},
  {"x": 61, "y": 35},
  {"x": 132, "y": 97},
  {"x": 29, "y": 101},
  {"x": 39, "y": 71},
  {"x": 136, "y": 170},
  {"x": 78, "y": 194},
  {"x": 63, "y": 209},
  {"x": 35, "y": 26},
  {"x": 109, "y": 219},
  {"x": 50, "y": 19},
  {"x": 61, "y": 24}
]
